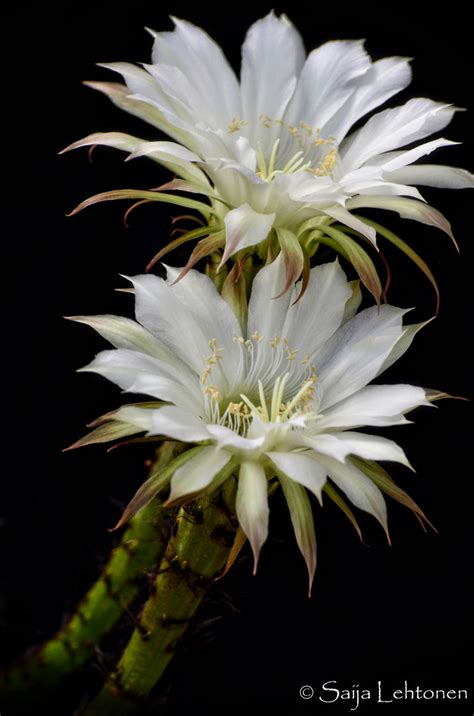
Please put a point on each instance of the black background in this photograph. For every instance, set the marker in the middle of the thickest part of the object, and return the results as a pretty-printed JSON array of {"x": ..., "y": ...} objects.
[{"x": 377, "y": 612}]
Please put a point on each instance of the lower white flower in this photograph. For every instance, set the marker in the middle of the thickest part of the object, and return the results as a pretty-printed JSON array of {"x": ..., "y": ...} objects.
[{"x": 279, "y": 402}]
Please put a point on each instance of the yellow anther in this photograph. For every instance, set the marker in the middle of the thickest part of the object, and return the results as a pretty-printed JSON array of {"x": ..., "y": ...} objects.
[
  {"x": 257, "y": 337},
  {"x": 326, "y": 166},
  {"x": 213, "y": 392},
  {"x": 235, "y": 408},
  {"x": 275, "y": 341},
  {"x": 235, "y": 125},
  {"x": 265, "y": 120}
]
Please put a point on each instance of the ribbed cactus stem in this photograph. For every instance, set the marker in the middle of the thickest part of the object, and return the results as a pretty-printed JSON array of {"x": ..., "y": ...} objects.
[{"x": 195, "y": 555}]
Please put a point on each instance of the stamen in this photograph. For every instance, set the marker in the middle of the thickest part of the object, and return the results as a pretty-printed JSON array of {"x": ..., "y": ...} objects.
[
  {"x": 326, "y": 166},
  {"x": 300, "y": 394},
  {"x": 213, "y": 392},
  {"x": 235, "y": 125},
  {"x": 265, "y": 120},
  {"x": 266, "y": 376},
  {"x": 211, "y": 360}
]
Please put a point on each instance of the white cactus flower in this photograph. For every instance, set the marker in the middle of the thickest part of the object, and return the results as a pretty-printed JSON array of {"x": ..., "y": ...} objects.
[
  {"x": 279, "y": 401},
  {"x": 276, "y": 150}
]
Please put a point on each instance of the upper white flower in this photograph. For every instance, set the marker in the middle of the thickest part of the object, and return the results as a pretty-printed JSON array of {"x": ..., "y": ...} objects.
[
  {"x": 281, "y": 396},
  {"x": 275, "y": 149}
]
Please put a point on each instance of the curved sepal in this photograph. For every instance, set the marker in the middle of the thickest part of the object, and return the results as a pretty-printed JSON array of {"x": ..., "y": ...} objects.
[
  {"x": 357, "y": 256},
  {"x": 157, "y": 481}
]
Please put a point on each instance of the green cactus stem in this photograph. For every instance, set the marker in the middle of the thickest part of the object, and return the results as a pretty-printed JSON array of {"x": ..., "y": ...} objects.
[
  {"x": 139, "y": 550},
  {"x": 195, "y": 555}
]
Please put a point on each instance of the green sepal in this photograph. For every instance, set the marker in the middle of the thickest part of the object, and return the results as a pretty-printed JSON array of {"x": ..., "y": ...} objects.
[
  {"x": 234, "y": 291},
  {"x": 408, "y": 251},
  {"x": 334, "y": 495},
  {"x": 293, "y": 257},
  {"x": 382, "y": 479},
  {"x": 156, "y": 482},
  {"x": 205, "y": 247},
  {"x": 192, "y": 235},
  {"x": 357, "y": 256},
  {"x": 142, "y": 194}
]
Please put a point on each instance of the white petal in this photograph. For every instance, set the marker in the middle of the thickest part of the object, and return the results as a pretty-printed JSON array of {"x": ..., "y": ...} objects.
[
  {"x": 434, "y": 175},
  {"x": 406, "y": 208},
  {"x": 272, "y": 57},
  {"x": 125, "y": 333},
  {"x": 174, "y": 157},
  {"x": 376, "y": 187},
  {"x": 302, "y": 468},
  {"x": 327, "y": 81},
  {"x": 203, "y": 63},
  {"x": 144, "y": 108},
  {"x": 245, "y": 227},
  {"x": 136, "y": 372},
  {"x": 252, "y": 505},
  {"x": 384, "y": 79},
  {"x": 359, "y": 489},
  {"x": 354, "y": 301},
  {"x": 225, "y": 437},
  {"x": 403, "y": 344},
  {"x": 170, "y": 114},
  {"x": 140, "y": 417},
  {"x": 159, "y": 309},
  {"x": 370, "y": 447},
  {"x": 169, "y": 154},
  {"x": 183, "y": 98},
  {"x": 198, "y": 473},
  {"x": 236, "y": 183},
  {"x": 318, "y": 314},
  {"x": 394, "y": 128},
  {"x": 397, "y": 160},
  {"x": 138, "y": 81},
  {"x": 377, "y": 405},
  {"x": 178, "y": 424},
  {"x": 315, "y": 191},
  {"x": 356, "y": 352},
  {"x": 117, "y": 140},
  {"x": 203, "y": 303},
  {"x": 345, "y": 217},
  {"x": 266, "y": 314}
]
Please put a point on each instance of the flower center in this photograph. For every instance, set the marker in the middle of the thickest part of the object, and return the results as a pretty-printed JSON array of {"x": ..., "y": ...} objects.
[
  {"x": 274, "y": 386},
  {"x": 266, "y": 170},
  {"x": 315, "y": 153}
]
